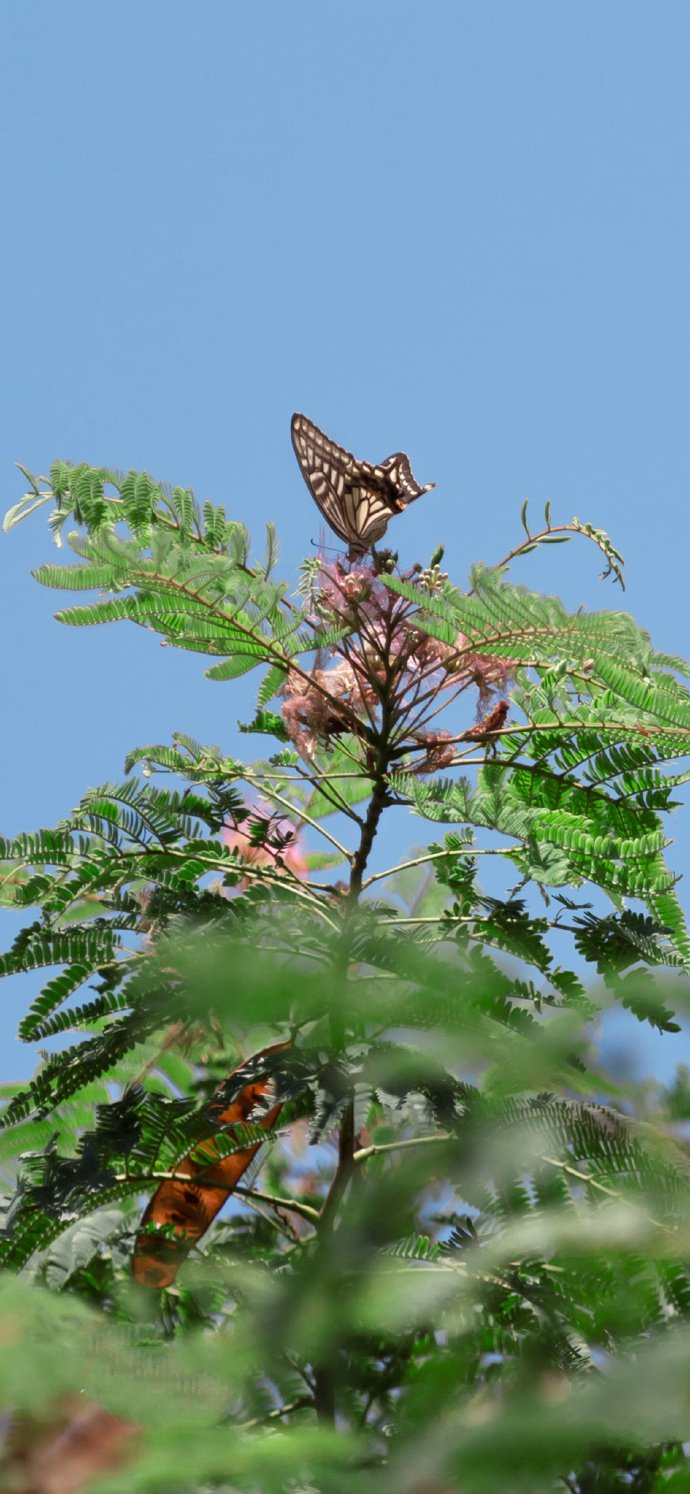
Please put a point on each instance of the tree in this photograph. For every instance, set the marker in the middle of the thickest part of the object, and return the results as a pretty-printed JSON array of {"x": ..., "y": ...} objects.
[{"x": 464, "y": 1262}]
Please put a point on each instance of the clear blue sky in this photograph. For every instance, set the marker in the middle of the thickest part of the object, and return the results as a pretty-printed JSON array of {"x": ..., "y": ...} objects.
[{"x": 462, "y": 229}]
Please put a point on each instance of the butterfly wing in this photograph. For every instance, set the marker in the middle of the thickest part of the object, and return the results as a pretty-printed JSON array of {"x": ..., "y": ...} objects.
[
  {"x": 323, "y": 466},
  {"x": 399, "y": 473},
  {"x": 353, "y": 496},
  {"x": 367, "y": 507}
]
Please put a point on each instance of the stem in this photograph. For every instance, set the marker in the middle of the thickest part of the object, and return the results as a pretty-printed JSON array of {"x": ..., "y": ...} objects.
[
  {"x": 431, "y": 856},
  {"x": 648, "y": 726},
  {"x": 277, "y": 1222},
  {"x": 172, "y": 1036},
  {"x": 359, "y": 860},
  {"x": 344, "y": 1170},
  {"x": 139, "y": 1180},
  {"x": 366, "y": 1152},
  {"x": 534, "y": 540},
  {"x": 296, "y": 1405},
  {"x": 453, "y": 918},
  {"x": 294, "y": 1205},
  {"x": 303, "y": 816},
  {"x": 324, "y": 785},
  {"x": 324, "y": 1375},
  {"x": 324, "y": 1395},
  {"x": 586, "y": 1177},
  {"x": 272, "y": 653}
]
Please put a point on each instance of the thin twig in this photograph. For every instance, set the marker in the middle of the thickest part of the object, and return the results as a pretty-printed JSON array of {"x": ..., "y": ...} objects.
[
  {"x": 432, "y": 918},
  {"x": 378, "y": 1149},
  {"x": 533, "y": 540},
  {"x": 294, "y": 1204},
  {"x": 306, "y": 818},
  {"x": 172, "y": 1036},
  {"x": 586, "y": 1177},
  {"x": 271, "y": 653},
  {"x": 282, "y": 1226},
  {"x": 297, "y": 1405},
  {"x": 432, "y": 856}
]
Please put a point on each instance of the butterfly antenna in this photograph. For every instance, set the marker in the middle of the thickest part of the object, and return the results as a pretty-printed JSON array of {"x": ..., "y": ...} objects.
[{"x": 319, "y": 545}]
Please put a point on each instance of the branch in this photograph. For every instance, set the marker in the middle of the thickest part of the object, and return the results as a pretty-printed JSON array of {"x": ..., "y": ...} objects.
[
  {"x": 323, "y": 784},
  {"x": 296, "y": 1405},
  {"x": 432, "y": 918},
  {"x": 586, "y": 1177},
  {"x": 294, "y": 1204},
  {"x": 299, "y": 889},
  {"x": 324, "y": 1378},
  {"x": 376, "y": 1150},
  {"x": 344, "y": 1169},
  {"x": 173, "y": 1034},
  {"x": 300, "y": 813},
  {"x": 358, "y": 862},
  {"x": 272, "y": 654},
  {"x": 202, "y": 1180},
  {"x": 432, "y": 856},
  {"x": 612, "y": 556}
]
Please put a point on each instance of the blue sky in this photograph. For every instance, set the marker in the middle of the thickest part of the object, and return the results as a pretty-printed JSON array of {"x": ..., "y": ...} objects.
[{"x": 457, "y": 228}]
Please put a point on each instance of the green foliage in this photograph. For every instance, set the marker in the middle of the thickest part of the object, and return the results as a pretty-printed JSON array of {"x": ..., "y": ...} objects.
[{"x": 462, "y": 1256}]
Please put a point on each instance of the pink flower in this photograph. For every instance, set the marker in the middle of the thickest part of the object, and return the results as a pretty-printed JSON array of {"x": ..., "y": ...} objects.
[
  {"x": 342, "y": 592},
  {"x": 385, "y": 670}
]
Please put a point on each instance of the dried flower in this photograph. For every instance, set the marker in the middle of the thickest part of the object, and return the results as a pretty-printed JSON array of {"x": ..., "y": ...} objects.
[
  {"x": 310, "y": 707},
  {"x": 491, "y": 723},
  {"x": 439, "y": 753}
]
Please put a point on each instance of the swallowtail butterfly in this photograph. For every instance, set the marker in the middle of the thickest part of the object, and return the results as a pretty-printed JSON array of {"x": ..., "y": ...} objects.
[{"x": 356, "y": 498}]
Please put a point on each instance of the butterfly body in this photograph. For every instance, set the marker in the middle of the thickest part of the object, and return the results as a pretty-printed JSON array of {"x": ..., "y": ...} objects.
[{"x": 356, "y": 498}]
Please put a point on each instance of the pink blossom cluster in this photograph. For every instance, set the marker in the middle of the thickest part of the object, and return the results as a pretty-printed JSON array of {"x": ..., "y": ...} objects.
[{"x": 384, "y": 667}]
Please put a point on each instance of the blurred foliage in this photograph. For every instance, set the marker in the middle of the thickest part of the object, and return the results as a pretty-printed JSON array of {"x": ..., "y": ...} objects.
[{"x": 455, "y": 1253}]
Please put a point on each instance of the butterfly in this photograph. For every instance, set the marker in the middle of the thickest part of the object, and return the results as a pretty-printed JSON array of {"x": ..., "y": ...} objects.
[
  {"x": 356, "y": 498},
  {"x": 182, "y": 1208}
]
